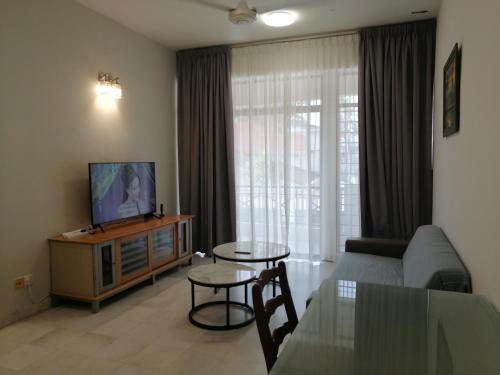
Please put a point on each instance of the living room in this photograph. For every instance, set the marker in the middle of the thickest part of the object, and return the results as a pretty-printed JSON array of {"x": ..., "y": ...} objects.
[{"x": 264, "y": 139}]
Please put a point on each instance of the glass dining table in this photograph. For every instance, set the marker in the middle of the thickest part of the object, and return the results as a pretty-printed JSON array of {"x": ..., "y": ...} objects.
[{"x": 370, "y": 329}]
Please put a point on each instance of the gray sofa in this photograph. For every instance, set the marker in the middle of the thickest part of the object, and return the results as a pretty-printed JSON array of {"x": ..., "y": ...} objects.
[{"x": 427, "y": 261}]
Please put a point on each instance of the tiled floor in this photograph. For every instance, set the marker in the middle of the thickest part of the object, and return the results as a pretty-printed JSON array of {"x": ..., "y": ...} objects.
[{"x": 143, "y": 331}]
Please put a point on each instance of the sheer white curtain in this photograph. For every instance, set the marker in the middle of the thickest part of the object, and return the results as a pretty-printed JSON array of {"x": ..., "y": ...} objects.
[{"x": 296, "y": 144}]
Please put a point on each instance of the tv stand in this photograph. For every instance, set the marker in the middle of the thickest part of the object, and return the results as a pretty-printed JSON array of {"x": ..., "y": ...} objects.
[{"x": 94, "y": 267}]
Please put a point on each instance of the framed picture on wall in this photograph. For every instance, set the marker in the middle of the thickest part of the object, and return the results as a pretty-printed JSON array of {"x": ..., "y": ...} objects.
[{"x": 451, "y": 93}]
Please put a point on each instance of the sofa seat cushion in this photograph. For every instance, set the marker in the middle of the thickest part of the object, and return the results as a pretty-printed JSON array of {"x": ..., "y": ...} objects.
[
  {"x": 431, "y": 262},
  {"x": 369, "y": 269}
]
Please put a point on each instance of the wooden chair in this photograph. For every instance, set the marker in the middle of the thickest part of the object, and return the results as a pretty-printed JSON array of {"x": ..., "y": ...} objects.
[{"x": 271, "y": 341}]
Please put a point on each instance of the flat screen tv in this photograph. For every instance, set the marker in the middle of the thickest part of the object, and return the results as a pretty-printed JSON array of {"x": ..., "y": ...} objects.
[{"x": 120, "y": 191}]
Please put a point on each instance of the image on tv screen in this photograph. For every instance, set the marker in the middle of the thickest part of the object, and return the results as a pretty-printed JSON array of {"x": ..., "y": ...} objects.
[{"x": 121, "y": 190}]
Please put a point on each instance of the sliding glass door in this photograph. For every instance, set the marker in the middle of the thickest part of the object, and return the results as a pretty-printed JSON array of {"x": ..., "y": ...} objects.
[{"x": 296, "y": 151}]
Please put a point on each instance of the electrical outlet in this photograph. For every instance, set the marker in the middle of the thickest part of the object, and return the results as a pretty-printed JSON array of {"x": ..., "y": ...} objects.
[{"x": 19, "y": 283}]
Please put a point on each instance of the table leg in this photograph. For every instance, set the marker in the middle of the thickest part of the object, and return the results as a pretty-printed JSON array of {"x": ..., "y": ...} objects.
[
  {"x": 215, "y": 258},
  {"x": 227, "y": 306},
  {"x": 96, "y": 306},
  {"x": 192, "y": 296},
  {"x": 246, "y": 294},
  {"x": 274, "y": 280}
]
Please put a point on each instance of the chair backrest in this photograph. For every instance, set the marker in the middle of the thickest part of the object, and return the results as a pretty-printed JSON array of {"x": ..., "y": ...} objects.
[{"x": 271, "y": 341}]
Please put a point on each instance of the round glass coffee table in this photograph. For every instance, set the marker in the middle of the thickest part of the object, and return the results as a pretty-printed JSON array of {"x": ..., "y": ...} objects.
[
  {"x": 222, "y": 276},
  {"x": 252, "y": 252}
]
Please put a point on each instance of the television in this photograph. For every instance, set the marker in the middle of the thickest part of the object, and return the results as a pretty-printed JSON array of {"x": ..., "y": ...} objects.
[{"x": 120, "y": 191}]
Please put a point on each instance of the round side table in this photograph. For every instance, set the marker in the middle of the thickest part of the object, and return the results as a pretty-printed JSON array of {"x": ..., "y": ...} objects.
[
  {"x": 252, "y": 252},
  {"x": 221, "y": 276}
]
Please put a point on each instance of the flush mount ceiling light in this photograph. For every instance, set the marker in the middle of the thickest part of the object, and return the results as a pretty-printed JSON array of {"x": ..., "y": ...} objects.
[{"x": 279, "y": 18}]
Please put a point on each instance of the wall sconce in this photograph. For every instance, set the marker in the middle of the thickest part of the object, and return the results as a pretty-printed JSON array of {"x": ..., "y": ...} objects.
[{"x": 108, "y": 87}]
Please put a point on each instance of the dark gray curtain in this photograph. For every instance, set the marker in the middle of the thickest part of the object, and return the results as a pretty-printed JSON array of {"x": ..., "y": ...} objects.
[
  {"x": 396, "y": 77},
  {"x": 205, "y": 136}
]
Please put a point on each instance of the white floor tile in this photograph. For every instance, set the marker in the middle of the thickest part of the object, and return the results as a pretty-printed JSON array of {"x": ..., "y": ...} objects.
[{"x": 144, "y": 331}]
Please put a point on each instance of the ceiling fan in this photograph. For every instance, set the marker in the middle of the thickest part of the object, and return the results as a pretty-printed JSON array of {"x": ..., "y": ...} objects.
[{"x": 244, "y": 14}]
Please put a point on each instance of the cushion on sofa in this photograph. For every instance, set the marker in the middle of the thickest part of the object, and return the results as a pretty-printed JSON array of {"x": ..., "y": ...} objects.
[
  {"x": 369, "y": 269},
  {"x": 430, "y": 261}
]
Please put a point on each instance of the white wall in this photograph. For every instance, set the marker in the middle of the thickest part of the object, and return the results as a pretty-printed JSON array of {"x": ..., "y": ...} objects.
[
  {"x": 467, "y": 164},
  {"x": 51, "y": 127}
]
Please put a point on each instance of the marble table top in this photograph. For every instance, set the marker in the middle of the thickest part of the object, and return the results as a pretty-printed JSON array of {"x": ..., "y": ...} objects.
[
  {"x": 248, "y": 251},
  {"x": 222, "y": 274}
]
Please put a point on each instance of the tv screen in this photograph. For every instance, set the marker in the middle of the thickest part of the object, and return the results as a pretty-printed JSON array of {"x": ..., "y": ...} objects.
[{"x": 120, "y": 191}]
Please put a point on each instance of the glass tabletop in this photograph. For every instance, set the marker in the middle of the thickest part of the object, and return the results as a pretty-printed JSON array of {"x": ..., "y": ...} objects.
[
  {"x": 357, "y": 328},
  {"x": 248, "y": 251}
]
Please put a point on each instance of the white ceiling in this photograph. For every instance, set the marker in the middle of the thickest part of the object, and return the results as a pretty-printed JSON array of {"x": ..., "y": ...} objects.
[{"x": 180, "y": 24}]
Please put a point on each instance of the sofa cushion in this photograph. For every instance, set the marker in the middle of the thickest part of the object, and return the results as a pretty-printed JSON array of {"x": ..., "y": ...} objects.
[
  {"x": 430, "y": 261},
  {"x": 369, "y": 269}
]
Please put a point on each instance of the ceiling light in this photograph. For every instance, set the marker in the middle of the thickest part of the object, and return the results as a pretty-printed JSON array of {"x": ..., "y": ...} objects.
[{"x": 279, "y": 18}]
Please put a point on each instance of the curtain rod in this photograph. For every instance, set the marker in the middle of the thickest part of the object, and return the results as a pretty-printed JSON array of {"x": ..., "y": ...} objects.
[{"x": 295, "y": 39}]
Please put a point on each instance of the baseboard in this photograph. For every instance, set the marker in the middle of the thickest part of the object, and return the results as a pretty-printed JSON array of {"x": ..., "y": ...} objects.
[{"x": 24, "y": 313}]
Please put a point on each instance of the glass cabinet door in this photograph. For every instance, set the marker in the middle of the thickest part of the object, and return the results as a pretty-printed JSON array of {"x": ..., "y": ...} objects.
[
  {"x": 184, "y": 238},
  {"x": 134, "y": 256},
  {"x": 163, "y": 245},
  {"x": 104, "y": 255}
]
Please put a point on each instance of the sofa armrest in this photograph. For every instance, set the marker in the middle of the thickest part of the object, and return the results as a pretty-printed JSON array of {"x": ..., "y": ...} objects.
[{"x": 377, "y": 246}]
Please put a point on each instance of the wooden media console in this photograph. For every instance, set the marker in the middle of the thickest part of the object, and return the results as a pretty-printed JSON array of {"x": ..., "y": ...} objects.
[{"x": 93, "y": 267}]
